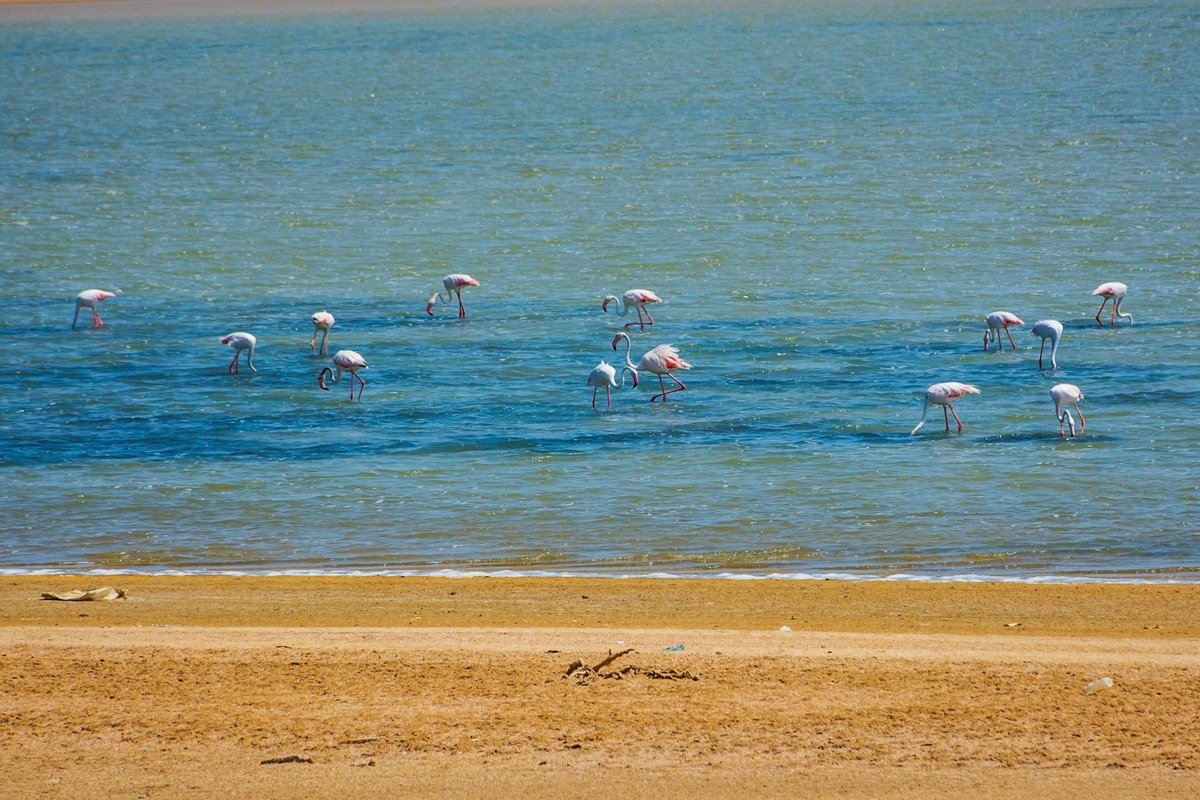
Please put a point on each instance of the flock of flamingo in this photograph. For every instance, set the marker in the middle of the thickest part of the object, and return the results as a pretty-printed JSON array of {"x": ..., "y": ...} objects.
[
  {"x": 664, "y": 359},
  {"x": 998, "y": 322}
]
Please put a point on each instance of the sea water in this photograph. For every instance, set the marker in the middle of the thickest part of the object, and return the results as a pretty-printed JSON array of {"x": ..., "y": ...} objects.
[{"x": 829, "y": 200}]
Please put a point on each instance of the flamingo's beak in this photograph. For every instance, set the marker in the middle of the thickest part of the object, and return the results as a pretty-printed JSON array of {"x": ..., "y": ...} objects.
[
  {"x": 615, "y": 340},
  {"x": 635, "y": 380},
  {"x": 321, "y": 380},
  {"x": 604, "y": 306},
  {"x": 429, "y": 309}
]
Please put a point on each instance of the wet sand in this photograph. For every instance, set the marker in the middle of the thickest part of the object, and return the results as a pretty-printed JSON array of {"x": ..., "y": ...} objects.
[{"x": 436, "y": 687}]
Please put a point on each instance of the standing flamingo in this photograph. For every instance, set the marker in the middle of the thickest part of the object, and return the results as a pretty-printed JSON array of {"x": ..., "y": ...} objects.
[
  {"x": 322, "y": 322},
  {"x": 1048, "y": 329},
  {"x": 1115, "y": 291},
  {"x": 240, "y": 341},
  {"x": 454, "y": 285},
  {"x": 345, "y": 361},
  {"x": 604, "y": 375},
  {"x": 999, "y": 321},
  {"x": 88, "y": 299},
  {"x": 662, "y": 360},
  {"x": 944, "y": 395},
  {"x": 1065, "y": 393},
  {"x": 634, "y": 298}
]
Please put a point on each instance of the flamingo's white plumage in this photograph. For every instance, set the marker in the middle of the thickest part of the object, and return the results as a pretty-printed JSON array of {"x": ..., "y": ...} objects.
[
  {"x": 322, "y": 322},
  {"x": 634, "y": 298},
  {"x": 1063, "y": 394},
  {"x": 998, "y": 321},
  {"x": 944, "y": 395},
  {"x": 662, "y": 361},
  {"x": 239, "y": 341},
  {"x": 345, "y": 361},
  {"x": 1048, "y": 329},
  {"x": 88, "y": 299},
  {"x": 1115, "y": 291},
  {"x": 605, "y": 375},
  {"x": 454, "y": 285}
]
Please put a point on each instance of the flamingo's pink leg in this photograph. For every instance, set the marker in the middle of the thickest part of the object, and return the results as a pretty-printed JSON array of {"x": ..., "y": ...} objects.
[
  {"x": 666, "y": 392},
  {"x": 649, "y": 319},
  {"x": 233, "y": 365},
  {"x": 1082, "y": 421},
  {"x": 462, "y": 312},
  {"x": 607, "y": 395},
  {"x": 956, "y": 419},
  {"x": 946, "y": 417},
  {"x": 594, "y": 391},
  {"x": 1010, "y": 339},
  {"x": 1101, "y": 311},
  {"x": 96, "y": 321}
]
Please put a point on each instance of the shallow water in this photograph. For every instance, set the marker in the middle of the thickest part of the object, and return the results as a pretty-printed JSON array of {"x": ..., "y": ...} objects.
[{"x": 830, "y": 200}]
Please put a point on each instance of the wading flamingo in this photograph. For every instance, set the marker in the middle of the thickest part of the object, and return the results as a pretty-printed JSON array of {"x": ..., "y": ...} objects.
[
  {"x": 944, "y": 395},
  {"x": 662, "y": 360},
  {"x": 605, "y": 375},
  {"x": 1048, "y": 329},
  {"x": 1115, "y": 291},
  {"x": 454, "y": 285},
  {"x": 634, "y": 298},
  {"x": 322, "y": 322},
  {"x": 240, "y": 341},
  {"x": 998, "y": 321},
  {"x": 345, "y": 361},
  {"x": 1063, "y": 394},
  {"x": 88, "y": 299}
]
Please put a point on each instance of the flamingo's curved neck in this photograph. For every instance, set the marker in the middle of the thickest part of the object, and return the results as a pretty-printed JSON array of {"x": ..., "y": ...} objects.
[
  {"x": 628, "y": 363},
  {"x": 1121, "y": 313},
  {"x": 622, "y": 309},
  {"x": 924, "y": 414},
  {"x": 1053, "y": 349},
  {"x": 1066, "y": 413}
]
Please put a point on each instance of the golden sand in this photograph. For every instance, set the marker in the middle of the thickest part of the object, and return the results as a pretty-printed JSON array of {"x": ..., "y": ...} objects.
[{"x": 441, "y": 687}]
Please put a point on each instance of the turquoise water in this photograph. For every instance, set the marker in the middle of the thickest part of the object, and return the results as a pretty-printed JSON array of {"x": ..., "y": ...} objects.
[{"x": 829, "y": 200}]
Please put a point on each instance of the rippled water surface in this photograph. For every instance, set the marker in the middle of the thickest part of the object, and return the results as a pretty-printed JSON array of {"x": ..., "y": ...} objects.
[{"x": 829, "y": 200}]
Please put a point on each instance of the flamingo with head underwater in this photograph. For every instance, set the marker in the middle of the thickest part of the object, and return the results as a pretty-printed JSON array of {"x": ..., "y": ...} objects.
[
  {"x": 1063, "y": 394},
  {"x": 322, "y": 322},
  {"x": 1048, "y": 329},
  {"x": 605, "y": 375},
  {"x": 240, "y": 341},
  {"x": 1115, "y": 291},
  {"x": 88, "y": 299},
  {"x": 634, "y": 298},
  {"x": 662, "y": 361},
  {"x": 944, "y": 395},
  {"x": 345, "y": 361},
  {"x": 998, "y": 321},
  {"x": 454, "y": 285}
]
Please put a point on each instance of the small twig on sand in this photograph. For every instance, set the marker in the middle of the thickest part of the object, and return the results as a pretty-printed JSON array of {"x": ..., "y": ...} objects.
[
  {"x": 582, "y": 672},
  {"x": 288, "y": 760}
]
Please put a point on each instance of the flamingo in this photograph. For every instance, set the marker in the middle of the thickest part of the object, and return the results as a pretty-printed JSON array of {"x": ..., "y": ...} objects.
[
  {"x": 454, "y": 285},
  {"x": 944, "y": 395},
  {"x": 240, "y": 341},
  {"x": 1115, "y": 291},
  {"x": 322, "y": 322},
  {"x": 345, "y": 361},
  {"x": 1048, "y": 329},
  {"x": 662, "y": 360},
  {"x": 604, "y": 375},
  {"x": 88, "y": 299},
  {"x": 1062, "y": 394},
  {"x": 634, "y": 298},
  {"x": 999, "y": 321}
]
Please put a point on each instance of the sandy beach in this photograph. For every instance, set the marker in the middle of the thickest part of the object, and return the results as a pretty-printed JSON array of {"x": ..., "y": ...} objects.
[{"x": 438, "y": 687}]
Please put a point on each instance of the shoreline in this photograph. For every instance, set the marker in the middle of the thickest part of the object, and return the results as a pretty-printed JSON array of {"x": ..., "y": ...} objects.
[{"x": 459, "y": 687}]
